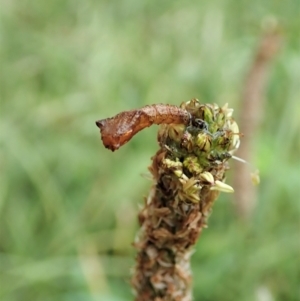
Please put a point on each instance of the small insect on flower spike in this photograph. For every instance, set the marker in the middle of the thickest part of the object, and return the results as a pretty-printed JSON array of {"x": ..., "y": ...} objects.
[{"x": 196, "y": 142}]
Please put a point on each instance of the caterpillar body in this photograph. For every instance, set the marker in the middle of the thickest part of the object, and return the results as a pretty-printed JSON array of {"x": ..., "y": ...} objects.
[{"x": 118, "y": 130}]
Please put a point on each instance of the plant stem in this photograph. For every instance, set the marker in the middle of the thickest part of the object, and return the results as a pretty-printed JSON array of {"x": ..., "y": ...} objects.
[
  {"x": 188, "y": 172},
  {"x": 251, "y": 115}
]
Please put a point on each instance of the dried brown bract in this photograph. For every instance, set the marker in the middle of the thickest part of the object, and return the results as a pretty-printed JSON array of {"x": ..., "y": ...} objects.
[{"x": 118, "y": 130}]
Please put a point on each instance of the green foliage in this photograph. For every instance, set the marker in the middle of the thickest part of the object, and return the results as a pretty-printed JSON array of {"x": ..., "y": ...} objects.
[{"x": 68, "y": 206}]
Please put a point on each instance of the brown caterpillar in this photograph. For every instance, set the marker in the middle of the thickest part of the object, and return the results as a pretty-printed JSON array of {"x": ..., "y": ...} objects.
[{"x": 118, "y": 130}]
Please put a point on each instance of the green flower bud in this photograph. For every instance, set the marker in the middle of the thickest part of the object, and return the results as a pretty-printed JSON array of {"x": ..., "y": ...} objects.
[
  {"x": 208, "y": 115},
  {"x": 203, "y": 142},
  {"x": 192, "y": 165}
]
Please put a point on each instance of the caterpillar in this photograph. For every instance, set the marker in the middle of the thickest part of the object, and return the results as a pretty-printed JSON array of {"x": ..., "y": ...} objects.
[{"x": 118, "y": 130}]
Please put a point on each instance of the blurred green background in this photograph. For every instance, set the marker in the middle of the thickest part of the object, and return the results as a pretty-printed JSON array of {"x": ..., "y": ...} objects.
[{"x": 68, "y": 206}]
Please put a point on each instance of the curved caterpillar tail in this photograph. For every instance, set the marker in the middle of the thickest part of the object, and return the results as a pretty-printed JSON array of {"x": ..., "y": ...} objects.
[{"x": 118, "y": 130}]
